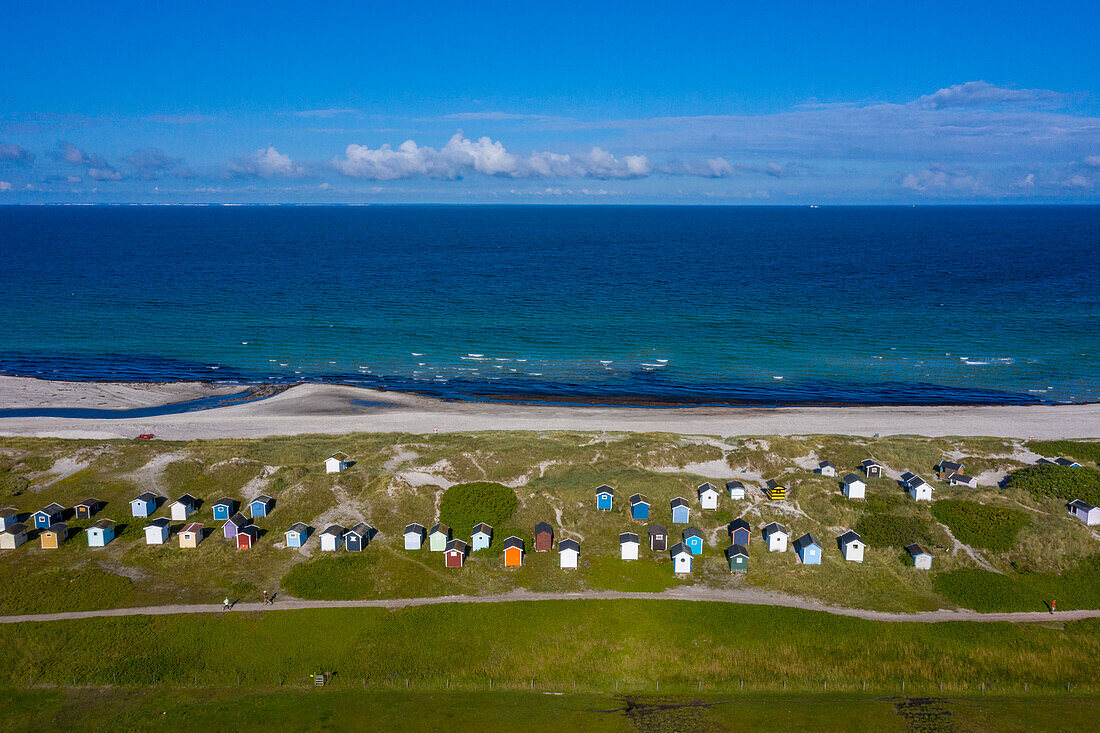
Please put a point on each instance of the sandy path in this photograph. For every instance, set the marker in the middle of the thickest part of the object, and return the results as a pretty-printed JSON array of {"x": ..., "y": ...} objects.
[
  {"x": 745, "y": 597},
  {"x": 318, "y": 408}
]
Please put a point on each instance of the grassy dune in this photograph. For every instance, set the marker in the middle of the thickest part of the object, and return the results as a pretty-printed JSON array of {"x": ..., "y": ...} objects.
[{"x": 400, "y": 478}]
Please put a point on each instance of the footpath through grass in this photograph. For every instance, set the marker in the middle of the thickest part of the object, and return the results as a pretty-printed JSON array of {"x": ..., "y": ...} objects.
[{"x": 603, "y": 646}]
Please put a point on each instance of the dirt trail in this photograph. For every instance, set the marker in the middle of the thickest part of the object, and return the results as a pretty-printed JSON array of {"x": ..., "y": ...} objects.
[{"x": 739, "y": 596}]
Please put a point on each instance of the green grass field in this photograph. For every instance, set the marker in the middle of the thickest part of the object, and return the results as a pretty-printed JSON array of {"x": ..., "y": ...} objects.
[
  {"x": 600, "y": 646},
  {"x": 217, "y": 709},
  {"x": 398, "y": 479}
]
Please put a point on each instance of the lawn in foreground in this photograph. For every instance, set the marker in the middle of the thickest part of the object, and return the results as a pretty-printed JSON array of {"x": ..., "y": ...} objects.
[
  {"x": 327, "y": 709},
  {"x": 600, "y": 646}
]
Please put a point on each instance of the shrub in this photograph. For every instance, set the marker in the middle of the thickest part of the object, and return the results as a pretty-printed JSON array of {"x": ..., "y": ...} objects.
[
  {"x": 1060, "y": 482},
  {"x": 890, "y": 530},
  {"x": 1081, "y": 451},
  {"x": 464, "y": 505},
  {"x": 979, "y": 525},
  {"x": 983, "y": 590}
]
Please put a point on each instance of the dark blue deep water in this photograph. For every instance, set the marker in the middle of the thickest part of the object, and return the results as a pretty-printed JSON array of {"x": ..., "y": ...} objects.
[{"x": 650, "y": 305}]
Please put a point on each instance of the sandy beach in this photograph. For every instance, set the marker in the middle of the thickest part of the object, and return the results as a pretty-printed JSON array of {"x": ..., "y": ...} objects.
[{"x": 320, "y": 408}]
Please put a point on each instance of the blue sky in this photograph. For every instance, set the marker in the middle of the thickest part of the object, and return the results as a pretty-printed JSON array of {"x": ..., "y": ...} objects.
[{"x": 550, "y": 102}]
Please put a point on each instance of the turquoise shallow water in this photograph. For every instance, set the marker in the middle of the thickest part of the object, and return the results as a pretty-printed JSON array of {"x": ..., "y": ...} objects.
[{"x": 759, "y": 305}]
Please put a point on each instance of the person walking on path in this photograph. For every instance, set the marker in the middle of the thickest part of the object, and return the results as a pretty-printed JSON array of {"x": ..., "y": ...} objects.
[
  {"x": 1052, "y": 602},
  {"x": 267, "y": 601},
  {"x": 226, "y": 605}
]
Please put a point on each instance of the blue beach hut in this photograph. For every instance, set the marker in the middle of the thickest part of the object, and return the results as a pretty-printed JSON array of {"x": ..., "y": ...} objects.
[
  {"x": 224, "y": 509},
  {"x": 297, "y": 535},
  {"x": 639, "y": 507},
  {"x": 358, "y": 537},
  {"x": 808, "y": 549},
  {"x": 740, "y": 532},
  {"x": 261, "y": 506},
  {"x": 482, "y": 537},
  {"x": 101, "y": 533},
  {"x": 47, "y": 515},
  {"x": 693, "y": 540},
  {"x": 681, "y": 512},
  {"x": 144, "y": 504},
  {"x": 605, "y": 496}
]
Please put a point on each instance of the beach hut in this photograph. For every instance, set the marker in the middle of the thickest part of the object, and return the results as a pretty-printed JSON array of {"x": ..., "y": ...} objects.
[
  {"x": 639, "y": 507},
  {"x": 920, "y": 490},
  {"x": 658, "y": 538},
  {"x": 101, "y": 533},
  {"x": 297, "y": 535},
  {"x": 190, "y": 536},
  {"x": 775, "y": 490},
  {"x": 261, "y": 506},
  {"x": 47, "y": 515},
  {"x": 628, "y": 546},
  {"x": 854, "y": 487},
  {"x": 681, "y": 559},
  {"x": 12, "y": 536},
  {"x": 851, "y": 546},
  {"x": 8, "y": 516},
  {"x": 414, "y": 536},
  {"x": 736, "y": 489},
  {"x": 224, "y": 509},
  {"x": 605, "y": 497},
  {"x": 1087, "y": 513},
  {"x": 946, "y": 468},
  {"x": 740, "y": 532},
  {"x": 775, "y": 535},
  {"x": 233, "y": 525},
  {"x": 871, "y": 468},
  {"x": 708, "y": 495},
  {"x": 826, "y": 468},
  {"x": 808, "y": 549},
  {"x": 961, "y": 479},
  {"x": 52, "y": 537},
  {"x": 144, "y": 504},
  {"x": 183, "y": 507},
  {"x": 681, "y": 512},
  {"x": 87, "y": 508},
  {"x": 569, "y": 552},
  {"x": 922, "y": 558},
  {"x": 332, "y": 538},
  {"x": 454, "y": 554},
  {"x": 738, "y": 558},
  {"x": 513, "y": 552},
  {"x": 544, "y": 537},
  {"x": 482, "y": 537},
  {"x": 439, "y": 537},
  {"x": 1067, "y": 463},
  {"x": 336, "y": 463},
  {"x": 358, "y": 537},
  {"x": 693, "y": 540},
  {"x": 156, "y": 532},
  {"x": 247, "y": 536},
  {"x": 907, "y": 478}
]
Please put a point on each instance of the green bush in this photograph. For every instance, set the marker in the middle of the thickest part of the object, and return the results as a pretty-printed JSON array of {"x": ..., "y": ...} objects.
[
  {"x": 464, "y": 505},
  {"x": 983, "y": 590},
  {"x": 1079, "y": 450},
  {"x": 890, "y": 530},
  {"x": 979, "y": 525},
  {"x": 1060, "y": 482}
]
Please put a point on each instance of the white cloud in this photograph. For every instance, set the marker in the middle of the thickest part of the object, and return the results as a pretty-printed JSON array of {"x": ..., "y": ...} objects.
[
  {"x": 266, "y": 163},
  {"x": 1093, "y": 161},
  {"x": 11, "y": 153},
  {"x": 462, "y": 156},
  {"x": 96, "y": 167},
  {"x": 5, "y": 186},
  {"x": 984, "y": 94},
  {"x": 940, "y": 178}
]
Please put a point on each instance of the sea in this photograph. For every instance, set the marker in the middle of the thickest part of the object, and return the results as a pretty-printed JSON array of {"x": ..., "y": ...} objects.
[{"x": 640, "y": 305}]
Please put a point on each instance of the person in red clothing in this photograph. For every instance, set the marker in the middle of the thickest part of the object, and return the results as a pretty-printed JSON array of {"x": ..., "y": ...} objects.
[{"x": 1052, "y": 602}]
